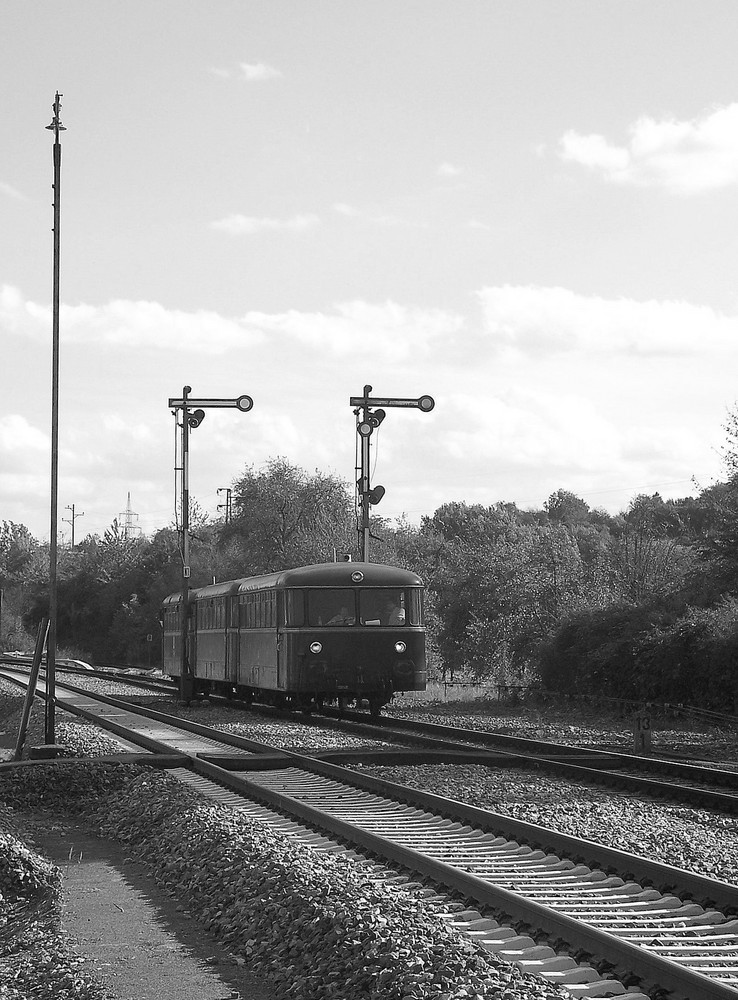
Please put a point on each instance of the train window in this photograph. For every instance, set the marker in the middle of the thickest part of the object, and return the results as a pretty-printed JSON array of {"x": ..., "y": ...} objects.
[
  {"x": 382, "y": 606},
  {"x": 415, "y": 606},
  {"x": 295, "y": 608},
  {"x": 331, "y": 607}
]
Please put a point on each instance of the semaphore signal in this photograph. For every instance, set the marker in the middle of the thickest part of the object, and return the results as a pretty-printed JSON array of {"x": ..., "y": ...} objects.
[
  {"x": 367, "y": 421},
  {"x": 190, "y": 413}
]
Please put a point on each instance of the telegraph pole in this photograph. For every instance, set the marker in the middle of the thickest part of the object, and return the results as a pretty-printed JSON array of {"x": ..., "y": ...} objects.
[
  {"x": 227, "y": 505},
  {"x": 367, "y": 420},
  {"x": 193, "y": 414},
  {"x": 49, "y": 733},
  {"x": 72, "y": 519}
]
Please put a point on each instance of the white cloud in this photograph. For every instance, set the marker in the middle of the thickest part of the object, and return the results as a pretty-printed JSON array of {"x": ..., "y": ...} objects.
[
  {"x": 350, "y": 211},
  {"x": 362, "y": 215},
  {"x": 389, "y": 331},
  {"x": 18, "y": 435},
  {"x": 448, "y": 170},
  {"x": 250, "y": 72},
  {"x": 543, "y": 321},
  {"x": 10, "y": 192},
  {"x": 543, "y": 388},
  {"x": 126, "y": 325},
  {"x": 247, "y": 225},
  {"x": 258, "y": 71},
  {"x": 683, "y": 157}
]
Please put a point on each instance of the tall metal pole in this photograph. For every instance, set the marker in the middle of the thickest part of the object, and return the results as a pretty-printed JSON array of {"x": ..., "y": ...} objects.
[
  {"x": 192, "y": 418},
  {"x": 49, "y": 733},
  {"x": 186, "y": 685},
  {"x": 73, "y": 518},
  {"x": 367, "y": 421},
  {"x": 364, "y": 491}
]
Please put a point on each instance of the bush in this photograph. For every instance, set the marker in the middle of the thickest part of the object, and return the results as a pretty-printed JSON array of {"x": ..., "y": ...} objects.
[{"x": 642, "y": 654}]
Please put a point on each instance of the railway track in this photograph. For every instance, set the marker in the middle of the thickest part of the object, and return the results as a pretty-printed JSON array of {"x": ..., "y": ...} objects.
[
  {"x": 710, "y": 787},
  {"x": 533, "y": 893},
  {"x": 677, "y": 780}
]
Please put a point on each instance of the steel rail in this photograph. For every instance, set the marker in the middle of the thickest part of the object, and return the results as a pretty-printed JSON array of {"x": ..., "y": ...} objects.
[
  {"x": 598, "y": 768},
  {"x": 546, "y": 749},
  {"x": 627, "y": 958},
  {"x": 619, "y": 952},
  {"x": 667, "y": 878}
]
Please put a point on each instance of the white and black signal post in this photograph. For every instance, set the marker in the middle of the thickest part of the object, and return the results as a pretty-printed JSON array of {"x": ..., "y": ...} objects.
[
  {"x": 193, "y": 414},
  {"x": 367, "y": 420}
]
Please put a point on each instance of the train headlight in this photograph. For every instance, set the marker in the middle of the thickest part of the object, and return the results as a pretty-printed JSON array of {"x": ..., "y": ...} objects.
[
  {"x": 316, "y": 647},
  {"x": 400, "y": 646}
]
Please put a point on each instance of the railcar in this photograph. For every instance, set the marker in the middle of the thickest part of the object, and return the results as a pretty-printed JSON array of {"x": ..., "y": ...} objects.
[{"x": 340, "y": 633}]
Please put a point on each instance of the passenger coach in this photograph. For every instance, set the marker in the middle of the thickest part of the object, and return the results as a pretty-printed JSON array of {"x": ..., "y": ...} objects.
[{"x": 336, "y": 632}]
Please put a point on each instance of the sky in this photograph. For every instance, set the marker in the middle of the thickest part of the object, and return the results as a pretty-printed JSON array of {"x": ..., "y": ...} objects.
[{"x": 527, "y": 209}]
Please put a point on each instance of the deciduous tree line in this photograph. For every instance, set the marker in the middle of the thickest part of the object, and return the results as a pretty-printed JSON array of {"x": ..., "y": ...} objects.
[{"x": 641, "y": 605}]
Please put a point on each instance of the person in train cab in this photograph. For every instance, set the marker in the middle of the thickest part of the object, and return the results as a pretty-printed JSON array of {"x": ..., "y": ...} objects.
[
  {"x": 342, "y": 618},
  {"x": 393, "y": 613}
]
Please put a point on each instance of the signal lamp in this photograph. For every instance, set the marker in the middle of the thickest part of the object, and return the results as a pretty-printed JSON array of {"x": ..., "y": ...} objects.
[
  {"x": 426, "y": 403},
  {"x": 316, "y": 647},
  {"x": 365, "y": 428},
  {"x": 195, "y": 418},
  {"x": 376, "y": 494},
  {"x": 400, "y": 646}
]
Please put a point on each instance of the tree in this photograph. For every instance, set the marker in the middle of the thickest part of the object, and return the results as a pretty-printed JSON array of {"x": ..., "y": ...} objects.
[
  {"x": 566, "y": 508},
  {"x": 283, "y": 517},
  {"x": 20, "y": 557},
  {"x": 649, "y": 556}
]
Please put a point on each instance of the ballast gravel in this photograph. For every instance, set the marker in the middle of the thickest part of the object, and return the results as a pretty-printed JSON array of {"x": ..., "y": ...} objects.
[
  {"x": 698, "y": 840},
  {"x": 317, "y": 925}
]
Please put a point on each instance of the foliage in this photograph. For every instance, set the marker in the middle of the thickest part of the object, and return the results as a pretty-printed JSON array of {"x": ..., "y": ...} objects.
[
  {"x": 641, "y": 653},
  {"x": 629, "y": 603},
  {"x": 283, "y": 516}
]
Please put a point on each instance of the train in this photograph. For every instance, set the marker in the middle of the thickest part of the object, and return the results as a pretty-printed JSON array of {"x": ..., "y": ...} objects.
[{"x": 333, "y": 633}]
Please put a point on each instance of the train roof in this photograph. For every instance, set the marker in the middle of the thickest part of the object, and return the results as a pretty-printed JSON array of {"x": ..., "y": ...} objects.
[{"x": 333, "y": 574}]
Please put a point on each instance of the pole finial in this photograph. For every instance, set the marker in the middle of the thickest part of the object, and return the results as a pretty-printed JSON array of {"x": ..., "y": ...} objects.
[{"x": 56, "y": 125}]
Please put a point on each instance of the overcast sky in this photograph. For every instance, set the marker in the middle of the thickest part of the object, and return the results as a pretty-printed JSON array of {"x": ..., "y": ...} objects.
[{"x": 528, "y": 210}]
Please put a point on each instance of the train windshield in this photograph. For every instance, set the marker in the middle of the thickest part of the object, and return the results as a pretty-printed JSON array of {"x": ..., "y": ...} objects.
[
  {"x": 382, "y": 606},
  {"x": 331, "y": 607},
  {"x": 391, "y": 607}
]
